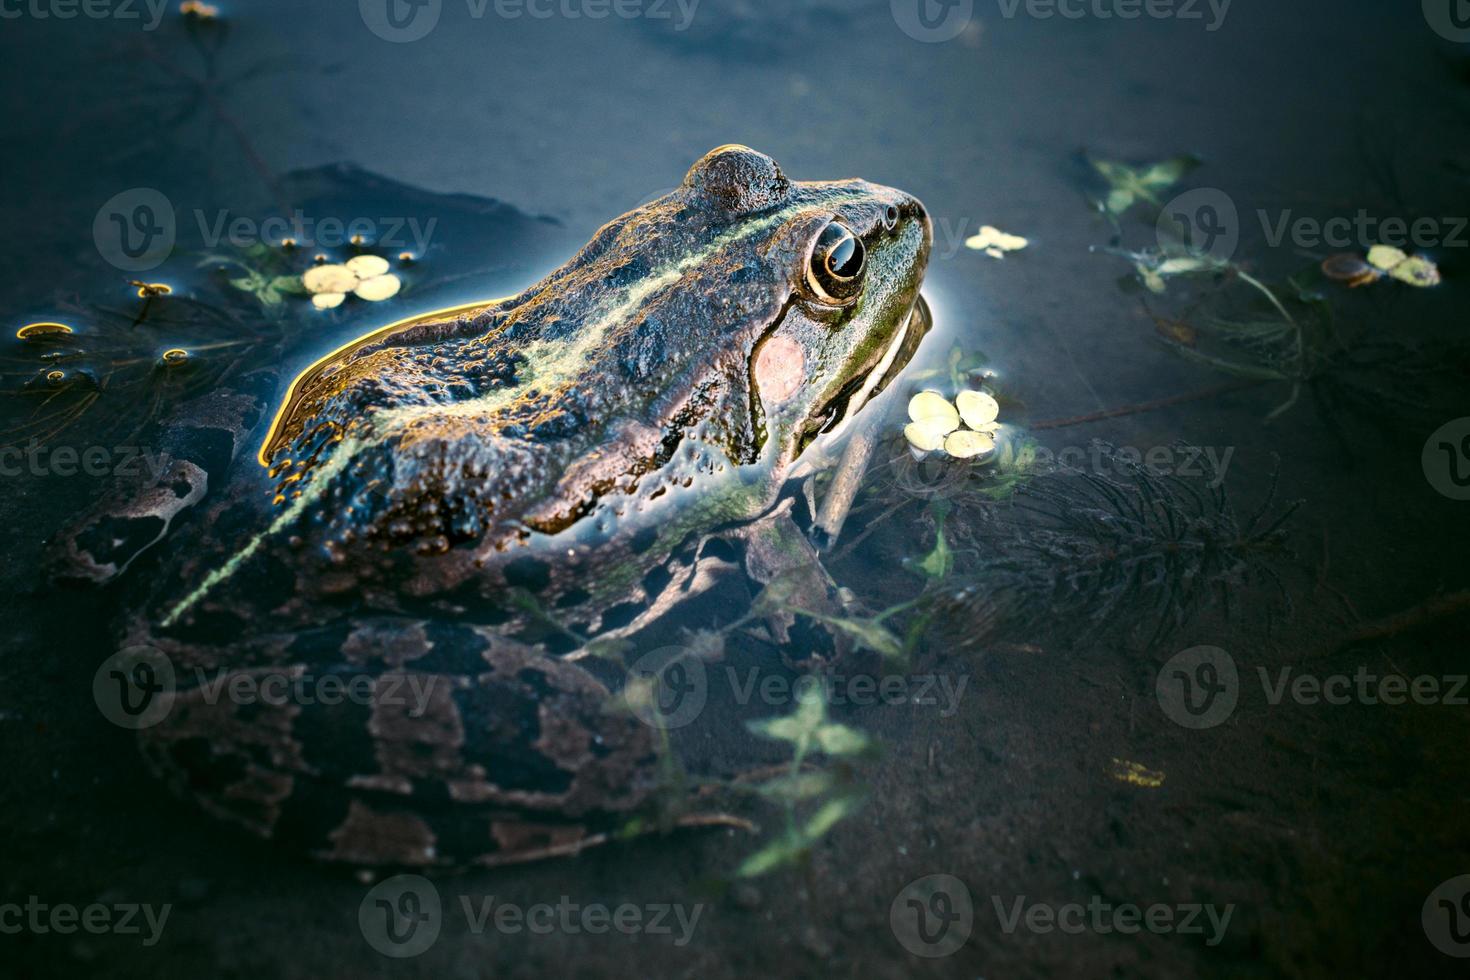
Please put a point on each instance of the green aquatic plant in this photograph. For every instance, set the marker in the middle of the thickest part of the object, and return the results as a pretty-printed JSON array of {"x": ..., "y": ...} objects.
[
  {"x": 1290, "y": 334},
  {"x": 825, "y": 795},
  {"x": 1267, "y": 332},
  {"x": 940, "y": 561},
  {"x": 1119, "y": 547},
  {"x": 1130, "y": 184},
  {"x": 260, "y": 271},
  {"x": 831, "y": 797}
]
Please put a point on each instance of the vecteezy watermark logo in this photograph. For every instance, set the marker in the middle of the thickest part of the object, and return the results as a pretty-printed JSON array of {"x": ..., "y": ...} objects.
[
  {"x": 1102, "y": 917},
  {"x": 401, "y": 916},
  {"x": 1199, "y": 687},
  {"x": 1446, "y": 917},
  {"x": 932, "y": 21},
  {"x": 63, "y": 918},
  {"x": 38, "y": 459},
  {"x": 310, "y": 231},
  {"x": 856, "y": 690},
  {"x": 134, "y": 688},
  {"x": 1362, "y": 230},
  {"x": 1446, "y": 459},
  {"x": 91, "y": 9},
  {"x": 667, "y": 687},
  {"x": 135, "y": 230},
  {"x": 1182, "y": 10},
  {"x": 932, "y": 916},
  {"x": 1449, "y": 18},
  {"x": 1205, "y": 220},
  {"x": 400, "y": 21},
  {"x": 1364, "y": 686}
]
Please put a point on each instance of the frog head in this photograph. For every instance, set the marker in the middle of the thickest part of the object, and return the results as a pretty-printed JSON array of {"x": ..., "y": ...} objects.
[{"x": 844, "y": 260}]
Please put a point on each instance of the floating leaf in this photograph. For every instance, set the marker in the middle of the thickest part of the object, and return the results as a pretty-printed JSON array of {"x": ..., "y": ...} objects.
[
  {"x": 367, "y": 266},
  {"x": 1385, "y": 257},
  {"x": 932, "y": 409},
  {"x": 977, "y": 408},
  {"x": 995, "y": 243},
  {"x": 966, "y": 444},
  {"x": 378, "y": 288},
  {"x": 924, "y": 436},
  {"x": 1417, "y": 271},
  {"x": 329, "y": 279},
  {"x": 328, "y": 301}
]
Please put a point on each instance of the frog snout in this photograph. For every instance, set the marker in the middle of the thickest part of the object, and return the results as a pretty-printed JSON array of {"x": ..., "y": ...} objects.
[{"x": 904, "y": 210}]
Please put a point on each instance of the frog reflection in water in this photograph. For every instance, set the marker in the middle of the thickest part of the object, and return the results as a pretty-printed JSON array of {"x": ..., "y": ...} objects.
[{"x": 595, "y": 441}]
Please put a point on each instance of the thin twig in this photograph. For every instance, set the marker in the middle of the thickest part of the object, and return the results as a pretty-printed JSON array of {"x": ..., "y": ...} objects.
[{"x": 1151, "y": 406}]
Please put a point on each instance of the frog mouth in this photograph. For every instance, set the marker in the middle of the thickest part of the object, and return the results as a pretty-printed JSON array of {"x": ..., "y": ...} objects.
[{"x": 837, "y": 414}]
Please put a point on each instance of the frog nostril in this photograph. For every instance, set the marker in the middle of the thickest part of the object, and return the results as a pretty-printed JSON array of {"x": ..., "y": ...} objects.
[{"x": 890, "y": 217}]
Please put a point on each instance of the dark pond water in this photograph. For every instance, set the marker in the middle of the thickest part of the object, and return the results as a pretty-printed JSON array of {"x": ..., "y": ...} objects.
[{"x": 1201, "y": 717}]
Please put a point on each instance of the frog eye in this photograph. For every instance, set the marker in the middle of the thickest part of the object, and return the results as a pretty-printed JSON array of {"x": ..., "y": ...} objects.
[{"x": 835, "y": 270}]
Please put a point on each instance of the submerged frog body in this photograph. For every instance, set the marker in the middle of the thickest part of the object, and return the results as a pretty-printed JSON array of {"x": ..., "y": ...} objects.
[{"x": 579, "y": 443}]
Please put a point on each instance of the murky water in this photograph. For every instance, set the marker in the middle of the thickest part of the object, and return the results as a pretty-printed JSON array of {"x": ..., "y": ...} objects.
[{"x": 1192, "y": 638}]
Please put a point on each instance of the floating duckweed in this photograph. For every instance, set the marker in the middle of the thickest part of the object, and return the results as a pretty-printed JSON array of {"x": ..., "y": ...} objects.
[
  {"x": 966, "y": 444},
  {"x": 367, "y": 266},
  {"x": 1385, "y": 257},
  {"x": 288, "y": 243},
  {"x": 174, "y": 356},
  {"x": 329, "y": 279},
  {"x": 365, "y": 276},
  {"x": 936, "y": 423},
  {"x": 933, "y": 410},
  {"x": 199, "y": 9},
  {"x": 147, "y": 290},
  {"x": 995, "y": 243},
  {"x": 358, "y": 241},
  {"x": 378, "y": 288},
  {"x": 407, "y": 258},
  {"x": 977, "y": 408},
  {"x": 922, "y": 437},
  {"x": 1415, "y": 271},
  {"x": 42, "y": 331},
  {"x": 319, "y": 258}
]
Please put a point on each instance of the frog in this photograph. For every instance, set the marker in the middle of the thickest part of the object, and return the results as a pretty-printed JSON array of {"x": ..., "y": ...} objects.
[{"x": 463, "y": 503}]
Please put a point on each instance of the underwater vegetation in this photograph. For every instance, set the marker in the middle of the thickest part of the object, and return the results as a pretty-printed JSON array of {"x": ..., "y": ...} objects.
[
  {"x": 140, "y": 356},
  {"x": 1303, "y": 333},
  {"x": 1125, "y": 550}
]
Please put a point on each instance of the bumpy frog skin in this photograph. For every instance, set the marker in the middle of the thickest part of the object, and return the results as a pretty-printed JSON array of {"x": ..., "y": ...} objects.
[{"x": 580, "y": 443}]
